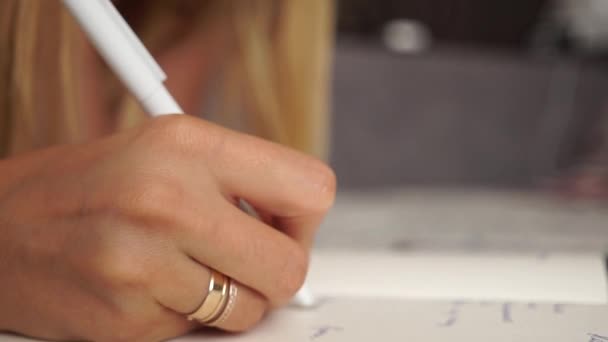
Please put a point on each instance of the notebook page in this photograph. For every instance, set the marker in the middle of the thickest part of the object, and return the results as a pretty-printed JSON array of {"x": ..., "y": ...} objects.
[
  {"x": 498, "y": 276},
  {"x": 369, "y": 319}
]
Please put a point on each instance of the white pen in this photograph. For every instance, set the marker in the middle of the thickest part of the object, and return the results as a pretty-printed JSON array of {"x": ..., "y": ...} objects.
[
  {"x": 125, "y": 54},
  {"x": 134, "y": 65}
]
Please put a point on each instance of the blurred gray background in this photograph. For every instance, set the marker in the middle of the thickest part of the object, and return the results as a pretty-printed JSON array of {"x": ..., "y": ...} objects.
[{"x": 500, "y": 94}]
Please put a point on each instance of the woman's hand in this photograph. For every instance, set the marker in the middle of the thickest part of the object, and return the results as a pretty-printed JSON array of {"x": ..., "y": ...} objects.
[{"x": 113, "y": 240}]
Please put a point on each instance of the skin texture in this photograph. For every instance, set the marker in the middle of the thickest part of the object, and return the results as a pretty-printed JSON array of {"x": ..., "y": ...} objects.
[{"x": 112, "y": 240}]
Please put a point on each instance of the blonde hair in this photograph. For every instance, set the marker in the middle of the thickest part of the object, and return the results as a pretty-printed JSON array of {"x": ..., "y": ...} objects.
[{"x": 279, "y": 73}]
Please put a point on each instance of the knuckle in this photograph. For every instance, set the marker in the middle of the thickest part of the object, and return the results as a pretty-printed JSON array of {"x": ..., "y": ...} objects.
[
  {"x": 170, "y": 128},
  {"x": 151, "y": 196},
  {"x": 121, "y": 269},
  {"x": 184, "y": 136},
  {"x": 178, "y": 128},
  {"x": 170, "y": 136}
]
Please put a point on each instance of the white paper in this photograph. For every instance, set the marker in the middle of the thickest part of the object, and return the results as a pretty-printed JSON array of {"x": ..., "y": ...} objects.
[
  {"x": 363, "y": 320},
  {"x": 553, "y": 278},
  {"x": 398, "y": 320},
  {"x": 433, "y": 297}
]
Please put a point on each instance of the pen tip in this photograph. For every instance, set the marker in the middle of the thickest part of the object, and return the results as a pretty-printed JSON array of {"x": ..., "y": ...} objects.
[{"x": 304, "y": 299}]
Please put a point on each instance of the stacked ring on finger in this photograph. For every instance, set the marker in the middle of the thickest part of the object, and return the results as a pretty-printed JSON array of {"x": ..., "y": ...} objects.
[
  {"x": 218, "y": 303},
  {"x": 232, "y": 293},
  {"x": 215, "y": 301}
]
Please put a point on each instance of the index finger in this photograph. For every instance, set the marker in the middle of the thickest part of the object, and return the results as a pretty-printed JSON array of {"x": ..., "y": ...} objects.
[{"x": 295, "y": 189}]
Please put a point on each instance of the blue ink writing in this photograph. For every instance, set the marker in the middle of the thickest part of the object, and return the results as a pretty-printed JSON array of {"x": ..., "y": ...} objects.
[
  {"x": 452, "y": 314},
  {"x": 324, "y": 330},
  {"x": 597, "y": 338},
  {"x": 506, "y": 313}
]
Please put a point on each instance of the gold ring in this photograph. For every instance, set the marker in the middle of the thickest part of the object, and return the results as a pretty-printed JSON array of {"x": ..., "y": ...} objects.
[
  {"x": 215, "y": 301},
  {"x": 232, "y": 294}
]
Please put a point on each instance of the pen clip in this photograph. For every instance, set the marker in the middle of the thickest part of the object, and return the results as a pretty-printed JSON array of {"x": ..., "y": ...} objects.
[{"x": 136, "y": 43}]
